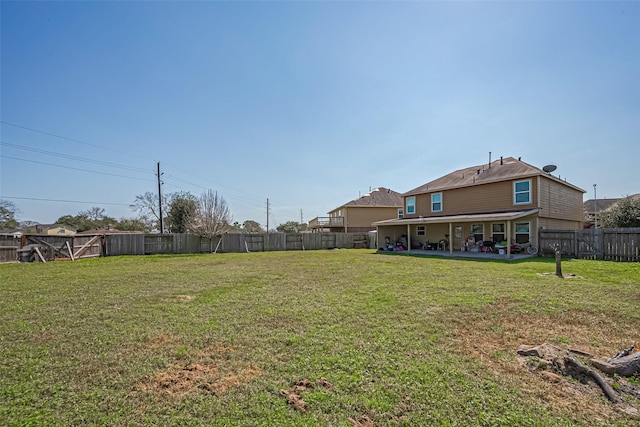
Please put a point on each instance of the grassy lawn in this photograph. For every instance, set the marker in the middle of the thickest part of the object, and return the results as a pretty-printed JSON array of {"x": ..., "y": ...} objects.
[{"x": 383, "y": 340}]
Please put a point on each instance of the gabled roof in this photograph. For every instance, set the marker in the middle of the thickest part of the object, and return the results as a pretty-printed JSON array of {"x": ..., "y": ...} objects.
[
  {"x": 378, "y": 197},
  {"x": 603, "y": 204},
  {"x": 506, "y": 169}
]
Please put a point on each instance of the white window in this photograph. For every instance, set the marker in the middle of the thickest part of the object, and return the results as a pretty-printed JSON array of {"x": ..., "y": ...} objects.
[
  {"x": 411, "y": 205},
  {"x": 477, "y": 231},
  {"x": 497, "y": 232},
  {"x": 436, "y": 202},
  {"x": 421, "y": 230},
  {"x": 522, "y": 192},
  {"x": 400, "y": 213},
  {"x": 523, "y": 232}
]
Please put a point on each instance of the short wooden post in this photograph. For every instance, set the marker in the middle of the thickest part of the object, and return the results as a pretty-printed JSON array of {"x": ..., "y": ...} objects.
[{"x": 559, "y": 263}]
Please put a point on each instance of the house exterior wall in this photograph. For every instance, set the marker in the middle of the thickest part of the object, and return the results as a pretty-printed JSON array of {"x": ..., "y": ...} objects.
[
  {"x": 63, "y": 231},
  {"x": 559, "y": 224},
  {"x": 560, "y": 202},
  {"x": 492, "y": 197},
  {"x": 361, "y": 218}
]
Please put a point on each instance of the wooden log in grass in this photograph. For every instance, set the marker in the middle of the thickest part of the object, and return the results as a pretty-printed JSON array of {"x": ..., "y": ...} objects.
[{"x": 583, "y": 369}]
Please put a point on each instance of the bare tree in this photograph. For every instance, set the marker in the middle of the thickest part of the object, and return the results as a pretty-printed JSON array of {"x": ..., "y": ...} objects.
[
  {"x": 95, "y": 213},
  {"x": 212, "y": 216},
  {"x": 147, "y": 207}
]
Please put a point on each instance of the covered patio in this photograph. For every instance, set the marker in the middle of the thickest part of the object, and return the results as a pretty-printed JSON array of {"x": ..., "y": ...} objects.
[
  {"x": 459, "y": 254},
  {"x": 447, "y": 234}
]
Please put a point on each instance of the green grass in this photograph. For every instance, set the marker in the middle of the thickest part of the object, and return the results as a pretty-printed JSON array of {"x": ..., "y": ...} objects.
[{"x": 212, "y": 339}]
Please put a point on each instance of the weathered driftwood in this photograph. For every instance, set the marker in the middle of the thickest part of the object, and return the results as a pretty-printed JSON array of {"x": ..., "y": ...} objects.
[
  {"x": 583, "y": 369},
  {"x": 626, "y": 366}
]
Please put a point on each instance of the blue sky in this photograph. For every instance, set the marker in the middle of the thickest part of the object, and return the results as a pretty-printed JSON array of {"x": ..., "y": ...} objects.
[{"x": 308, "y": 104}]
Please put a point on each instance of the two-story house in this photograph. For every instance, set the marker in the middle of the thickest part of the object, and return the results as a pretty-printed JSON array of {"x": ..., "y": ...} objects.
[
  {"x": 357, "y": 215},
  {"x": 505, "y": 200}
]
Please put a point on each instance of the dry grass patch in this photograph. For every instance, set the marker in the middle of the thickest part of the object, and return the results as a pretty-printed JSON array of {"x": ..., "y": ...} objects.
[
  {"x": 493, "y": 336},
  {"x": 210, "y": 370},
  {"x": 179, "y": 298}
]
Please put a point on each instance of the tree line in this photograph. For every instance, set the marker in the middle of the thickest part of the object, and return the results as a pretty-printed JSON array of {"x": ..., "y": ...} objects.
[{"x": 206, "y": 215}]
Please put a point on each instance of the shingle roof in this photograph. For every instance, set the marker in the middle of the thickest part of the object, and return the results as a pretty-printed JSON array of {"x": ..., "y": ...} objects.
[
  {"x": 505, "y": 169},
  {"x": 603, "y": 204},
  {"x": 378, "y": 197}
]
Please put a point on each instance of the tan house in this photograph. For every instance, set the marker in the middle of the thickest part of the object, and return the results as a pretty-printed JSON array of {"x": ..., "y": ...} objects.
[
  {"x": 358, "y": 215},
  {"x": 507, "y": 200},
  {"x": 55, "y": 229}
]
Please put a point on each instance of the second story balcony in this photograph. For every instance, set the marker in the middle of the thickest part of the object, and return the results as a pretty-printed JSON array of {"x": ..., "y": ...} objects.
[{"x": 327, "y": 222}]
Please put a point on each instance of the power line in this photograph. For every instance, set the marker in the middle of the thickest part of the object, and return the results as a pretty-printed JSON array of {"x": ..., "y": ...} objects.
[
  {"x": 65, "y": 201},
  {"x": 72, "y": 139},
  {"x": 72, "y": 168},
  {"x": 71, "y": 157},
  {"x": 252, "y": 198}
]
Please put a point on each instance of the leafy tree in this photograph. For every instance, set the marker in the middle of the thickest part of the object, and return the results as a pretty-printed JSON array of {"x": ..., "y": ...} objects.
[
  {"x": 212, "y": 217},
  {"x": 250, "y": 226},
  {"x": 625, "y": 213},
  {"x": 88, "y": 220},
  {"x": 77, "y": 222},
  {"x": 288, "y": 227},
  {"x": 182, "y": 207},
  {"x": 8, "y": 212},
  {"x": 132, "y": 224}
]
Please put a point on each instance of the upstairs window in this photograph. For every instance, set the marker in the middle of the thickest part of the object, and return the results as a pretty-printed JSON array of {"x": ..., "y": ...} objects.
[
  {"x": 400, "y": 213},
  {"x": 522, "y": 192},
  {"x": 411, "y": 205},
  {"x": 436, "y": 202}
]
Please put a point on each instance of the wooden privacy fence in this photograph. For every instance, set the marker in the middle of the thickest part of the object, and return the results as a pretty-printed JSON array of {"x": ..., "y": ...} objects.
[
  {"x": 147, "y": 244},
  {"x": 609, "y": 244},
  {"x": 48, "y": 247},
  {"x": 9, "y": 244}
]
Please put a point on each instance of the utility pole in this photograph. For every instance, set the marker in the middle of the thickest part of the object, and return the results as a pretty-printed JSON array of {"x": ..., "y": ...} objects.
[
  {"x": 267, "y": 215},
  {"x": 160, "y": 200},
  {"x": 595, "y": 207},
  {"x": 301, "y": 220}
]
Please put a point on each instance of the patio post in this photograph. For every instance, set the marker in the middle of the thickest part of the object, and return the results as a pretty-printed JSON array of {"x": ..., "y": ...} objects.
[
  {"x": 450, "y": 238},
  {"x": 509, "y": 239}
]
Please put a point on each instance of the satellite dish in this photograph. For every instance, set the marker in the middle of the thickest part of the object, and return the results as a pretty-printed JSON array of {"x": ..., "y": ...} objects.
[{"x": 549, "y": 168}]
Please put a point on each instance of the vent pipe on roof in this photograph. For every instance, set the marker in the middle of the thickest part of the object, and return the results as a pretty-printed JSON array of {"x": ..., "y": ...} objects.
[
  {"x": 500, "y": 160},
  {"x": 489, "y": 159}
]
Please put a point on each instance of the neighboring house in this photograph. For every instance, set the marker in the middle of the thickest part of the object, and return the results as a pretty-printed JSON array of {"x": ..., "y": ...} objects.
[
  {"x": 506, "y": 200},
  {"x": 55, "y": 229},
  {"x": 593, "y": 207},
  {"x": 11, "y": 233},
  {"x": 358, "y": 215}
]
